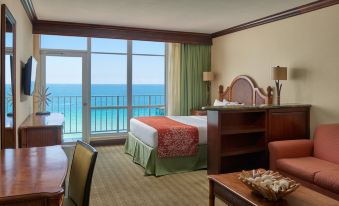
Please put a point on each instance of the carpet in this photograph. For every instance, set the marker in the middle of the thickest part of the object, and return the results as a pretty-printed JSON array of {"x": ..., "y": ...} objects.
[{"x": 117, "y": 181}]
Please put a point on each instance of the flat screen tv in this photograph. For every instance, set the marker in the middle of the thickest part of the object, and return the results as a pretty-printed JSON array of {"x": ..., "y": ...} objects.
[{"x": 29, "y": 75}]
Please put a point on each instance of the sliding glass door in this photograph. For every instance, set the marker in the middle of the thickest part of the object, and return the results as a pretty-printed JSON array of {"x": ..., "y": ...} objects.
[{"x": 68, "y": 92}]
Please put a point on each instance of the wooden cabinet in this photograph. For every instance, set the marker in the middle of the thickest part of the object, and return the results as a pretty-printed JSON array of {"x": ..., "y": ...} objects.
[
  {"x": 237, "y": 137},
  {"x": 39, "y": 131},
  {"x": 288, "y": 123},
  {"x": 8, "y": 139}
]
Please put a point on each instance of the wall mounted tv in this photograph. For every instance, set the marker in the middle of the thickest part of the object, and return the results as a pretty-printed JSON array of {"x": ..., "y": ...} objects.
[{"x": 29, "y": 76}]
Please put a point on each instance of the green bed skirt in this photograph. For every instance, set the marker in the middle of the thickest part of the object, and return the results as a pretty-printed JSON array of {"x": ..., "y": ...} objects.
[{"x": 147, "y": 157}]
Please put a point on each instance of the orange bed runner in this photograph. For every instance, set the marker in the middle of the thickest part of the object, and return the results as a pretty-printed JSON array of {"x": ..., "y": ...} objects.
[{"x": 175, "y": 139}]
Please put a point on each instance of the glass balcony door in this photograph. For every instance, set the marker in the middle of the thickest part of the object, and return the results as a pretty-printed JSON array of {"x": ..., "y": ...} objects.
[{"x": 66, "y": 74}]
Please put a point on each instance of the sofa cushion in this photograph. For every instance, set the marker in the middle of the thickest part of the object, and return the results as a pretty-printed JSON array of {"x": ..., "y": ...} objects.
[
  {"x": 304, "y": 167},
  {"x": 326, "y": 142},
  {"x": 328, "y": 179}
]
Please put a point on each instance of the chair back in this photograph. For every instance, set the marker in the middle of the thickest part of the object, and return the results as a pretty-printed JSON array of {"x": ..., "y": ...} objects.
[
  {"x": 80, "y": 177},
  {"x": 326, "y": 142}
]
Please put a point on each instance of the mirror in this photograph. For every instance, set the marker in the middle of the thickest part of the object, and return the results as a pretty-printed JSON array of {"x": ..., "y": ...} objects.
[{"x": 8, "y": 86}]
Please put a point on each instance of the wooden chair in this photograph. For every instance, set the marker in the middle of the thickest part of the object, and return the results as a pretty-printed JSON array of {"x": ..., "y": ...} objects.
[{"x": 80, "y": 177}]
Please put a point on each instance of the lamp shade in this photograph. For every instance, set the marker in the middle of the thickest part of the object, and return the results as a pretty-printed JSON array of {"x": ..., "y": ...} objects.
[
  {"x": 208, "y": 76},
  {"x": 279, "y": 73}
]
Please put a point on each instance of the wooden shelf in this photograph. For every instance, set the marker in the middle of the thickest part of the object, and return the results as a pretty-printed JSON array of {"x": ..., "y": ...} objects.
[
  {"x": 244, "y": 150},
  {"x": 242, "y": 131},
  {"x": 237, "y": 138}
]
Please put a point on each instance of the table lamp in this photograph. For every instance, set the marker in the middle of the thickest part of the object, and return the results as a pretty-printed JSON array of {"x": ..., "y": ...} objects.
[
  {"x": 279, "y": 73},
  {"x": 208, "y": 77}
]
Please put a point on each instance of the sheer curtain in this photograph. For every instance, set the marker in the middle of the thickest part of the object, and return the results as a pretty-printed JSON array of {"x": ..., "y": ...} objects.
[
  {"x": 173, "y": 79},
  {"x": 39, "y": 76},
  {"x": 185, "y": 87}
]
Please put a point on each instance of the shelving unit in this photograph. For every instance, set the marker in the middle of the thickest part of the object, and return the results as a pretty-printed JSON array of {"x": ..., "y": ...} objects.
[
  {"x": 241, "y": 151},
  {"x": 238, "y": 138},
  {"x": 242, "y": 131}
]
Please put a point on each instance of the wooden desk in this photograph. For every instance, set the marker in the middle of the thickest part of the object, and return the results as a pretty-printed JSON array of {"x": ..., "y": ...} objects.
[
  {"x": 41, "y": 130},
  {"x": 237, "y": 136},
  {"x": 32, "y": 176},
  {"x": 232, "y": 191}
]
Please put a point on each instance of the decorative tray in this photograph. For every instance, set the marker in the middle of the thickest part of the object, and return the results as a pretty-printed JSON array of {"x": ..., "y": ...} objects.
[{"x": 271, "y": 185}]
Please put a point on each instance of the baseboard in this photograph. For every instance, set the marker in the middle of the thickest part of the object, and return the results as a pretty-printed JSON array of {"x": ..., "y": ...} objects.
[{"x": 107, "y": 141}]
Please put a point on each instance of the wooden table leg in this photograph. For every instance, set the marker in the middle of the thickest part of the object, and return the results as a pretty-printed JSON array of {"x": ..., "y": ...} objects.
[{"x": 211, "y": 195}]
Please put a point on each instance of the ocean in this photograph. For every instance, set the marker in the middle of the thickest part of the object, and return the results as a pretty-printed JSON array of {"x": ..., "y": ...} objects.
[
  {"x": 106, "y": 89},
  {"x": 108, "y": 106}
]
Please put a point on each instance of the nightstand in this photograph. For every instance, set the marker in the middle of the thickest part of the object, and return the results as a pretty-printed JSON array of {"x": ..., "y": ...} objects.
[{"x": 198, "y": 112}]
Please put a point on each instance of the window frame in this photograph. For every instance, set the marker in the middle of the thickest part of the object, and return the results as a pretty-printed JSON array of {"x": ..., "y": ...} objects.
[{"x": 88, "y": 53}]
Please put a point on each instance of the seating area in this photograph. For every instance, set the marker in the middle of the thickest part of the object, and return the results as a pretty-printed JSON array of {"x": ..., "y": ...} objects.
[{"x": 314, "y": 163}]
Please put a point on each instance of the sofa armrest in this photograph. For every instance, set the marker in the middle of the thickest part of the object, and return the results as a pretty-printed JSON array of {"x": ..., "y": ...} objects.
[{"x": 289, "y": 149}]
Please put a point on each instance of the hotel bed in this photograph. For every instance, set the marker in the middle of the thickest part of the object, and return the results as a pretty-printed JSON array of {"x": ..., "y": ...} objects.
[
  {"x": 142, "y": 140},
  {"x": 149, "y": 135}
]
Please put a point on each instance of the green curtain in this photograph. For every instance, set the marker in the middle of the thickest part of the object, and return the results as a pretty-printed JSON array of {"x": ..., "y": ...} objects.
[{"x": 195, "y": 59}]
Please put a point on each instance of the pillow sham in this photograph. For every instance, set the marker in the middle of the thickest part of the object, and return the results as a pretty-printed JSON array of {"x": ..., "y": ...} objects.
[
  {"x": 225, "y": 103},
  {"x": 220, "y": 103}
]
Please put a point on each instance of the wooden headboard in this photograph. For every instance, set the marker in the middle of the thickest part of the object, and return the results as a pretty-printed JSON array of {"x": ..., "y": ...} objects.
[{"x": 243, "y": 89}]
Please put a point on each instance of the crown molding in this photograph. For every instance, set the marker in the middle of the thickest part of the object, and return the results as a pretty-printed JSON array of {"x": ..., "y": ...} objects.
[
  {"x": 94, "y": 30},
  {"x": 103, "y": 31},
  {"x": 278, "y": 16},
  {"x": 29, "y": 8}
]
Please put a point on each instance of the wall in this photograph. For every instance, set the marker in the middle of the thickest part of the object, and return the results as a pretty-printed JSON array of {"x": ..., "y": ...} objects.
[
  {"x": 24, "y": 49},
  {"x": 307, "y": 44}
]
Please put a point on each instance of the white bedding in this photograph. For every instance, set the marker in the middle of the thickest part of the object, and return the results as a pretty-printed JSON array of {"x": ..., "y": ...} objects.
[{"x": 149, "y": 135}]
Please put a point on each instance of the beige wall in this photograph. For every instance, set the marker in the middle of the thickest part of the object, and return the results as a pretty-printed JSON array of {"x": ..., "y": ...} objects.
[
  {"x": 307, "y": 44},
  {"x": 24, "y": 49}
]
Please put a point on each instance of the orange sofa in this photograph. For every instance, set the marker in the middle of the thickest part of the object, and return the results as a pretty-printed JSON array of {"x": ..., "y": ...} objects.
[{"x": 314, "y": 163}]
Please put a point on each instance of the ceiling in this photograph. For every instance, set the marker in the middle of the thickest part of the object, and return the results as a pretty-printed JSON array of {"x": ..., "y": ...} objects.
[{"x": 203, "y": 16}]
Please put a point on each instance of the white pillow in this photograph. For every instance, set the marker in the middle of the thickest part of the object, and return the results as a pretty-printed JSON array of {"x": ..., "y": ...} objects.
[
  {"x": 235, "y": 103},
  {"x": 220, "y": 103},
  {"x": 225, "y": 103}
]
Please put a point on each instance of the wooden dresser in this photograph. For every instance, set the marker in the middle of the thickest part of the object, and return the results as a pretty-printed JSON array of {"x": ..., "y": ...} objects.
[
  {"x": 41, "y": 130},
  {"x": 8, "y": 140},
  {"x": 237, "y": 136}
]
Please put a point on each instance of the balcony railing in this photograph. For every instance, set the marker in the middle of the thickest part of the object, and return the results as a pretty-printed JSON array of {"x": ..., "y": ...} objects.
[{"x": 109, "y": 114}]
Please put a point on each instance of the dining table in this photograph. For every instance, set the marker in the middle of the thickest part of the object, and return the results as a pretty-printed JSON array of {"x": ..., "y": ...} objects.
[{"x": 33, "y": 176}]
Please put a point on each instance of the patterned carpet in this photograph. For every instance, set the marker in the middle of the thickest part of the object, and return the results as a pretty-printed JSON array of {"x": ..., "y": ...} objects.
[{"x": 117, "y": 181}]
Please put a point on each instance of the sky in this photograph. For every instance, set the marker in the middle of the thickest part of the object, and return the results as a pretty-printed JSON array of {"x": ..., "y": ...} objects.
[{"x": 106, "y": 68}]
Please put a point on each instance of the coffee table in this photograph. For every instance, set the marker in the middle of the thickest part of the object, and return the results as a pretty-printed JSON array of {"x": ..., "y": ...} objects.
[{"x": 232, "y": 191}]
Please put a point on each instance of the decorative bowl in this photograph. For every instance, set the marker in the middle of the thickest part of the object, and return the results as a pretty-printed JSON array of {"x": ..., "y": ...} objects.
[{"x": 271, "y": 185}]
